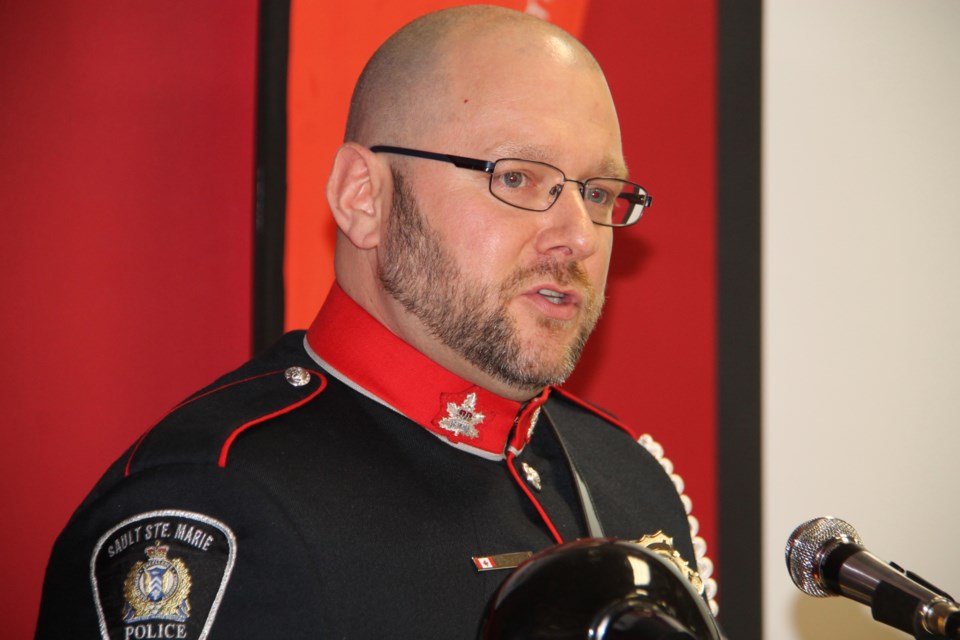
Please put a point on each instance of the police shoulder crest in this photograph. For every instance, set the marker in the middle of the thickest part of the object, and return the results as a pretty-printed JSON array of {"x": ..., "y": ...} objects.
[
  {"x": 161, "y": 574},
  {"x": 157, "y": 589}
]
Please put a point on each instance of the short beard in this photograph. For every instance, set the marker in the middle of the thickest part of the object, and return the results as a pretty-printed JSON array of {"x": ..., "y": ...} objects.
[{"x": 469, "y": 318}]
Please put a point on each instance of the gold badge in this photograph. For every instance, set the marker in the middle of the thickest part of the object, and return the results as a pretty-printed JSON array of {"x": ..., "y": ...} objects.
[
  {"x": 662, "y": 544},
  {"x": 158, "y": 588}
]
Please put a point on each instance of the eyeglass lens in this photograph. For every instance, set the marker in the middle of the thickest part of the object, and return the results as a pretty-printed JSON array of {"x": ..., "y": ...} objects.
[{"x": 536, "y": 186}]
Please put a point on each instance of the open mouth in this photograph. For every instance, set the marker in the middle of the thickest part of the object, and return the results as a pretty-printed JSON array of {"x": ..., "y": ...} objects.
[{"x": 554, "y": 297}]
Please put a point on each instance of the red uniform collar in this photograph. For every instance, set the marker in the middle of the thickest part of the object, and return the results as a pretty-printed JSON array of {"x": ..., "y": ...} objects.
[{"x": 354, "y": 347}]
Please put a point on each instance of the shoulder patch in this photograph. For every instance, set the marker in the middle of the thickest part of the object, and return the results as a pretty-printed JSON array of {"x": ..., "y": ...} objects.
[{"x": 161, "y": 574}]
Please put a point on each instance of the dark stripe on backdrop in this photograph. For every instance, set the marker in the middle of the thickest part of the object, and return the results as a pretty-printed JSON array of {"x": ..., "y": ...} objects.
[
  {"x": 738, "y": 324},
  {"x": 270, "y": 196}
]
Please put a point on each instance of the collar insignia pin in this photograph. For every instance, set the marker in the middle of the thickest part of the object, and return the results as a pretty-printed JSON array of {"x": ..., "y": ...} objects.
[
  {"x": 463, "y": 419},
  {"x": 532, "y": 476},
  {"x": 533, "y": 423}
]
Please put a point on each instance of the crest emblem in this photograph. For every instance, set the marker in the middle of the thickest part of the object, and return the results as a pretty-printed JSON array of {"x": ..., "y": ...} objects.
[
  {"x": 463, "y": 419},
  {"x": 158, "y": 588}
]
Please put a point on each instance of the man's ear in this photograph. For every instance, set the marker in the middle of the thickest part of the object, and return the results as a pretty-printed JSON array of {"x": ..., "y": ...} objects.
[{"x": 357, "y": 192}]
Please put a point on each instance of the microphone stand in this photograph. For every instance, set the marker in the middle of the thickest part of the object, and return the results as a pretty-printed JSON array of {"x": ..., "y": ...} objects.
[{"x": 944, "y": 614}]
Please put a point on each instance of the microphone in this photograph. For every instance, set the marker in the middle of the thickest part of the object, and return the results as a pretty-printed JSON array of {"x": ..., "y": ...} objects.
[{"x": 826, "y": 557}]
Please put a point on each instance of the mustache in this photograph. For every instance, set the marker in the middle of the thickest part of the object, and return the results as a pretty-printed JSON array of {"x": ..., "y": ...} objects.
[{"x": 564, "y": 274}]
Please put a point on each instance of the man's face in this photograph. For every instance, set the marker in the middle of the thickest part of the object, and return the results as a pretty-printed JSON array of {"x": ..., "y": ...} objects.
[
  {"x": 474, "y": 318},
  {"x": 503, "y": 296}
]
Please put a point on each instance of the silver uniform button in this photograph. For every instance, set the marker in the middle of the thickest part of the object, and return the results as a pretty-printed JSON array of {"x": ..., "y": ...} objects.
[
  {"x": 297, "y": 376},
  {"x": 532, "y": 476}
]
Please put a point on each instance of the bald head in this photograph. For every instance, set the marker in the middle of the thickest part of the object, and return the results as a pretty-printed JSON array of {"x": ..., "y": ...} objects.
[{"x": 396, "y": 96}]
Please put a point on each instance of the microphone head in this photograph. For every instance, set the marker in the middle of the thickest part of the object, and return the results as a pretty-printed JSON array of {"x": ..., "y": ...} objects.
[{"x": 806, "y": 547}]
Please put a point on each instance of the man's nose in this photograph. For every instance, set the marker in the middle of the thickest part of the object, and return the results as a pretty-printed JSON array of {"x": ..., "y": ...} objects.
[{"x": 568, "y": 229}]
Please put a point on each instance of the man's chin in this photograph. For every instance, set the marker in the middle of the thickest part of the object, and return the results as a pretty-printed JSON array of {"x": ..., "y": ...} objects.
[
  {"x": 534, "y": 353},
  {"x": 545, "y": 367}
]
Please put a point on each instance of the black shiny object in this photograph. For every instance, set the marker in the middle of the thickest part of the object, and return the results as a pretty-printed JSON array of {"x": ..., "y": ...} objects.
[{"x": 597, "y": 589}]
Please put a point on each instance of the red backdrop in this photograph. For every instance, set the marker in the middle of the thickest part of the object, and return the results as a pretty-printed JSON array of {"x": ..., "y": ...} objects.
[
  {"x": 127, "y": 151},
  {"x": 652, "y": 360},
  {"x": 126, "y": 164}
]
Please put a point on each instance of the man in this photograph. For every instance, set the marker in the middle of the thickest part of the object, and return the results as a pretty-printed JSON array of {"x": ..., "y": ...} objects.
[{"x": 376, "y": 476}]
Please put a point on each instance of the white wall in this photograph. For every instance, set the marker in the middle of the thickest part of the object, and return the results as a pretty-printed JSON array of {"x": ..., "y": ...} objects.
[{"x": 861, "y": 215}]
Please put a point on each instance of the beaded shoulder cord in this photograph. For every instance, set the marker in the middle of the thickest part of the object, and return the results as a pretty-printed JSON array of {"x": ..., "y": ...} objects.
[{"x": 704, "y": 564}]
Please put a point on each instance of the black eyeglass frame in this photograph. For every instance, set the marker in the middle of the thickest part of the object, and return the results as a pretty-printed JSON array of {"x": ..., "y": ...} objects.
[{"x": 642, "y": 200}]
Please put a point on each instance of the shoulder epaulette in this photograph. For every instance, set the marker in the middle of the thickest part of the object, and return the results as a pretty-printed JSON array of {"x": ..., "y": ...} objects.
[{"x": 202, "y": 428}]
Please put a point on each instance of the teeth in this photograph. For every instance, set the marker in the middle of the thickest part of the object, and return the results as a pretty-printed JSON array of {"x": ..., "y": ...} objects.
[{"x": 553, "y": 296}]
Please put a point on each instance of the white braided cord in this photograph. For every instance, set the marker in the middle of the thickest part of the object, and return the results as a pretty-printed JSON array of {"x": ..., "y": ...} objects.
[{"x": 704, "y": 564}]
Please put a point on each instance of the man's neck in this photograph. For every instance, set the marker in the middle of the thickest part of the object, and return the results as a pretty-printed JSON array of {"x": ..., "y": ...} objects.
[{"x": 362, "y": 352}]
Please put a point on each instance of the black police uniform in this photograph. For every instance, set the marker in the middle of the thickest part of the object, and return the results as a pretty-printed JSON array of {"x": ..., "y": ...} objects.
[{"x": 342, "y": 485}]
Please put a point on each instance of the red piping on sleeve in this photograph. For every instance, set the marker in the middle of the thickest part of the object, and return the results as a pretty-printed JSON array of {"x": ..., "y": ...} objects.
[
  {"x": 511, "y": 456},
  {"x": 136, "y": 446},
  {"x": 226, "y": 386},
  {"x": 225, "y": 451}
]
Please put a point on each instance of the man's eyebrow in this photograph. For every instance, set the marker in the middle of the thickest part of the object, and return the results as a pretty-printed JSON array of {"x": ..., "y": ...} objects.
[
  {"x": 522, "y": 151},
  {"x": 609, "y": 167}
]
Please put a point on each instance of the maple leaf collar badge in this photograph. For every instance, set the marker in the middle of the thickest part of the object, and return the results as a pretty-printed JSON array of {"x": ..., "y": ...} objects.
[{"x": 463, "y": 419}]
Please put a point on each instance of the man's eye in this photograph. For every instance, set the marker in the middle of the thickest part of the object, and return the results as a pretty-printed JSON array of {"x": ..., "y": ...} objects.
[
  {"x": 513, "y": 179},
  {"x": 596, "y": 195}
]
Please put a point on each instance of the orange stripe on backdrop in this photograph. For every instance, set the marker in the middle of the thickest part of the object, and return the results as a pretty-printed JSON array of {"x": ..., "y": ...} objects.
[{"x": 329, "y": 44}]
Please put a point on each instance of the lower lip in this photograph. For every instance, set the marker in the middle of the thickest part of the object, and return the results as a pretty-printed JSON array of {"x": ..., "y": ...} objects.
[{"x": 563, "y": 311}]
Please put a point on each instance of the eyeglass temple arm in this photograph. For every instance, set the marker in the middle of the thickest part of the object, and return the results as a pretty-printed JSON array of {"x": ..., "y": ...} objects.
[
  {"x": 643, "y": 200},
  {"x": 459, "y": 161}
]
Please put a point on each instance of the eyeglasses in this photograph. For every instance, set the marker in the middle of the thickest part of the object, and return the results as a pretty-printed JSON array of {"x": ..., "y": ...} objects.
[{"x": 535, "y": 186}]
